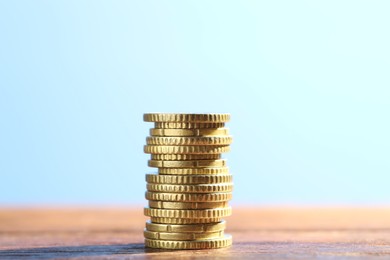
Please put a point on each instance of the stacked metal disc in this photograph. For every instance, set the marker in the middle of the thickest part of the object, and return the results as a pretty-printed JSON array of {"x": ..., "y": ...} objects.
[{"x": 188, "y": 197}]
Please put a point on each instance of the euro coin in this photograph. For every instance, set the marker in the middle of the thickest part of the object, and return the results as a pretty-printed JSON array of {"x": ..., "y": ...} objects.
[
  {"x": 189, "y": 132},
  {"x": 181, "y": 117},
  {"x": 196, "y": 228},
  {"x": 193, "y": 171},
  {"x": 182, "y": 236},
  {"x": 188, "y": 149},
  {"x": 187, "y": 164},
  {"x": 188, "y": 179},
  {"x": 196, "y": 188},
  {"x": 185, "y": 157},
  {"x": 186, "y": 125},
  {"x": 184, "y": 221},
  {"x": 188, "y": 213},
  {"x": 200, "y": 140},
  {"x": 189, "y": 197},
  {"x": 187, "y": 205},
  {"x": 197, "y": 244}
]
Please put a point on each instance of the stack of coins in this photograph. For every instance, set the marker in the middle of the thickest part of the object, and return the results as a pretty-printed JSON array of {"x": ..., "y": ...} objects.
[{"x": 188, "y": 197}]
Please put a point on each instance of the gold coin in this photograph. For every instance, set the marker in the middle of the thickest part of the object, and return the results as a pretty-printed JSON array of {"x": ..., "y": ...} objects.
[
  {"x": 182, "y": 117},
  {"x": 189, "y": 149},
  {"x": 182, "y": 236},
  {"x": 193, "y": 171},
  {"x": 184, "y": 221},
  {"x": 189, "y": 197},
  {"x": 187, "y": 125},
  {"x": 197, "y": 244},
  {"x": 188, "y": 213},
  {"x": 201, "y": 140},
  {"x": 187, "y": 205},
  {"x": 185, "y": 157},
  {"x": 196, "y": 228},
  {"x": 197, "y": 188},
  {"x": 188, "y": 179},
  {"x": 189, "y": 132},
  {"x": 187, "y": 164}
]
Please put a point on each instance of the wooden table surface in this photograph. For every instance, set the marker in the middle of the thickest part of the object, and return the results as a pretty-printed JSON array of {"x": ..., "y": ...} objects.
[{"x": 258, "y": 233}]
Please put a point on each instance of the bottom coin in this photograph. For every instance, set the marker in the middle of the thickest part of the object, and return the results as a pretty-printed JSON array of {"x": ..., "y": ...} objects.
[
  {"x": 197, "y": 244},
  {"x": 183, "y": 236}
]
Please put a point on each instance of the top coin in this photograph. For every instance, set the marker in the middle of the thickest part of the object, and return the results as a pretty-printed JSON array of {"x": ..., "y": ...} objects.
[{"x": 181, "y": 117}]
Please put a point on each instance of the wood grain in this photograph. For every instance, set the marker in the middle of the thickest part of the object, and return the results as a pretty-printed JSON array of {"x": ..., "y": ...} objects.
[{"x": 258, "y": 233}]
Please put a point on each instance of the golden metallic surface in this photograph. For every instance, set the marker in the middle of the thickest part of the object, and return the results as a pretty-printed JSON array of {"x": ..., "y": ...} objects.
[
  {"x": 188, "y": 179},
  {"x": 200, "y": 140},
  {"x": 187, "y": 125},
  {"x": 189, "y": 197},
  {"x": 182, "y": 117},
  {"x": 187, "y": 205},
  {"x": 187, "y": 164},
  {"x": 193, "y": 171},
  {"x": 184, "y": 221},
  {"x": 197, "y": 244},
  {"x": 196, "y": 188},
  {"x": 188, "y": 149},
  {"x": 185, "y": 157},
  {"x": 189, "y": 132},
  {"x": 196, "y": 228},
  {"x": 182, "y": 236},
  {"x": 188, "y": 213}
]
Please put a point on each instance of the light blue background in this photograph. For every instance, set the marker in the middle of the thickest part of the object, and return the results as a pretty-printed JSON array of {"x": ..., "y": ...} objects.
[{"x": 307, "y": 84}]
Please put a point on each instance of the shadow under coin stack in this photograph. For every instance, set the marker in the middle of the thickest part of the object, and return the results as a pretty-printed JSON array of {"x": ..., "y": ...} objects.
[{"x": 188, "y": 198}]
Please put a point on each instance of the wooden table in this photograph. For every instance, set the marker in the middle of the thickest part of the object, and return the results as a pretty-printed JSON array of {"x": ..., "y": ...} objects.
[{"x": 258, "y": 233}]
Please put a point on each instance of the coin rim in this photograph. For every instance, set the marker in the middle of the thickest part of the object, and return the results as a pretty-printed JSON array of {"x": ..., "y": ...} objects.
[
  {"x": 222, "y": 242},
  {"x": 187, "y": 205},
  {"x": 185, "y": 157},
  {"x": 182, "y": 228},
  {"x": 189, "y": 197},
  {"x": 187, "y": 117},
  {"x": 188, "y": 213},
  {"x": 187, "y": 125},
  {"x": 180, "y": 132},
  {"x": 187, "y": 164},
  {"x": 184, "y": 236},
  {"x": 188, "y": 179},
  {"x": 189, "y": 140},
  {"x": 196, "y": 188},
  {"x": 194, "y": 171},
  {"x": 186, "y": 149},
  {"x": 184, "y": 221}
]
